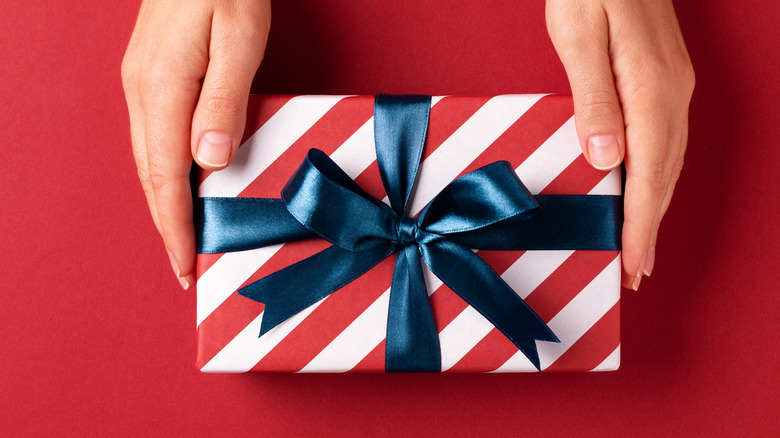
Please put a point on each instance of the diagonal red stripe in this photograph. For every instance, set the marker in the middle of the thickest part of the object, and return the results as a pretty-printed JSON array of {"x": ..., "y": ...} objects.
[
  {"x": 444, "y": 310},
  {"x": 374, "y": 362},
  {"x": 236, "y": 312},
  {"x": 578, "y": 170},
  {"x": 446, "y": 117},
  {"x": 547, "y": 300},
  {"x": 322, "y": 326},
  {"x": 446, "y": 304},
  {"x": 327, "y": 134},
  {"x": 557, "y": 290},
  {"x": 204, "y": 262},
  {"x": 212, "y": 337},
  {"x": 524, "y": 136},
  {"x": 594, "y": 346}
]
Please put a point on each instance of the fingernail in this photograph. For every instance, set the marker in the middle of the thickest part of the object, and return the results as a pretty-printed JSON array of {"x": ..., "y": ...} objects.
[
  {"x": 649, "y": 261},
  {"x": 214, "y": 148},
  {"x": 174, "y": 264},
  {"x": 638, "y": 279},
  {"x": 183, "y": 282},
  {"x": 603, "y": 151}
]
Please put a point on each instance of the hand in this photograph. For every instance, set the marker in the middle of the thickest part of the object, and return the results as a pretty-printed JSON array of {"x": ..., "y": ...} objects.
[
  {"x": 187, "y": 74},
  {"x": 631, "y": 80}
]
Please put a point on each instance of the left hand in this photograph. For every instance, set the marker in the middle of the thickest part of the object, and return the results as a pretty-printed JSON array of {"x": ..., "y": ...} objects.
[{"x": 631, "y": 81}]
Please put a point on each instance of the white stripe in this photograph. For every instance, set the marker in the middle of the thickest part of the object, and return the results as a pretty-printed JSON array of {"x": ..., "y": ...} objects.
[
  {"x": 432, "y": 282},
  {"x": 266, "y": 145},
  {"x": 357, "y": 153},
  {"x": 245, "y": 350},
  {"x": 461, "y": 335},
  {"x": 467, "y": 143},
  {"x": 363, "y": 335},
  {"x": 611, "y": 363},
  {"x": 354, "y": 155},
  {"x": 550, "y": 159},
  {"x": 355, "y": 342},
  {"x": 532, "y": 268},
  {"x": 609, "y": 185},
  {"x": 467, "y": 329},
  {"x": 574, "y": 319},
  {"x": 227, "y": 275}
]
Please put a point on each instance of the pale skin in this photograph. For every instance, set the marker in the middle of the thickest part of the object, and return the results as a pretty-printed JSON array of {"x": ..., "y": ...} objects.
[{"x": 189, "y": 67}]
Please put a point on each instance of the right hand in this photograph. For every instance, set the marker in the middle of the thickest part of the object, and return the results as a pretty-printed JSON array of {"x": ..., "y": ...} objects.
[
  {"x": 631, "y": 80},
  {"x": 187, "y": 74}
]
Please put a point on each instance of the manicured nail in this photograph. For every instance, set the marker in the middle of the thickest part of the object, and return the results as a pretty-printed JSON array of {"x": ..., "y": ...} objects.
[
  {"x": 214, "y": 148},
  {"x": 649, "y": 261},
  {"x": 183, "y": 282},
  {"x": 174, "y": 264},
  {"x": 603, "y": 151},
  {"x": 638, "y": 279}
]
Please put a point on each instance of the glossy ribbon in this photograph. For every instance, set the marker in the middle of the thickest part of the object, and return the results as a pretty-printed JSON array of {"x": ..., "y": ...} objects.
[{"x": 488, "y": 208}]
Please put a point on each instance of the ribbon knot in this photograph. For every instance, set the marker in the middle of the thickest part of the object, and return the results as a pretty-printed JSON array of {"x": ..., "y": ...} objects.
[
  {"x": 406, "y": 230},
  {"x": 488, "y": 208}
]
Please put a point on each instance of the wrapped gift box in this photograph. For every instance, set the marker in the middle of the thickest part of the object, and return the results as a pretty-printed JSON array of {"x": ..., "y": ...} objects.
[{"x": 575, "y": 292}]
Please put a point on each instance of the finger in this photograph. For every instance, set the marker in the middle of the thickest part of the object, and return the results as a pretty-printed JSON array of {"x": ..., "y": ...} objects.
[
  {"x": 676, "y": 167},
  {"x": 583, "y": 46},
  {"x": 169, "y": 104},
  {"x": 683, "y": 82},
  {"x": 647, "y": 135},
  {"x": 235, "y": 52},
  {"x": 677, "y": 143},
  {"x": 137, "y": 136}
]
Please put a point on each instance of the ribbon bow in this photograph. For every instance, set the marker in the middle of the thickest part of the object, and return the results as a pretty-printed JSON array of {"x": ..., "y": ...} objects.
[{"x": 488, "y": 208}]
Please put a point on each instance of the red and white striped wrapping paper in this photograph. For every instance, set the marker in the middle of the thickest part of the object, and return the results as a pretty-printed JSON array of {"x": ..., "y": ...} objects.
[{"x": 576, "y": 292}]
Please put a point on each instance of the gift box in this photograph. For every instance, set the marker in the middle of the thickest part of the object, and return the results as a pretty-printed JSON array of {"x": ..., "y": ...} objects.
[{"x": 293, "y": 233}]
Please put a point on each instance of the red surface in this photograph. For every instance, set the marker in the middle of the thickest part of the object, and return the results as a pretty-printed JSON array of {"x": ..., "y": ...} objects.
[{"x": 98, "y": 340}]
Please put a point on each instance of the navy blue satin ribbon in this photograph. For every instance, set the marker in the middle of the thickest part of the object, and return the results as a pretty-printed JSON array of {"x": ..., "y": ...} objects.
[{"x": 488, "y": 208}]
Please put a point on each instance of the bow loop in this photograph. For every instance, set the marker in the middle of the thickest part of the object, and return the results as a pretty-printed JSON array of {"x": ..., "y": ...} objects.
[
  {"x": 326, "y": 200},
  {"x": 478, "y": 199}
]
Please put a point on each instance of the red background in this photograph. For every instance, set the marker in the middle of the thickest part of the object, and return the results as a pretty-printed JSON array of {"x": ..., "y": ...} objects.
[{"x": 97, "y": 338}]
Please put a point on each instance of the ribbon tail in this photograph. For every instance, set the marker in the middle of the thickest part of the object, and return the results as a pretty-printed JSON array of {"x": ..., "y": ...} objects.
[
  {"x": 412, "y": 338},
  {"x": 480, "y": 286},
  {"x": 298, "y": 286}
]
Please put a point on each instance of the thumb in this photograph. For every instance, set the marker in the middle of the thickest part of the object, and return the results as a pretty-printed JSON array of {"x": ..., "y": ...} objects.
[
  {"x": 220, "y": 115},
  {"x": 597, "y": 111}
]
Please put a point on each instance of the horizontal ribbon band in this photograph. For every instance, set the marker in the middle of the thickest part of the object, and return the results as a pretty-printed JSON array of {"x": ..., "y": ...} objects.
[
  {"x": 488, "y": 208},
  {"x": 564, "y": 222}
]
